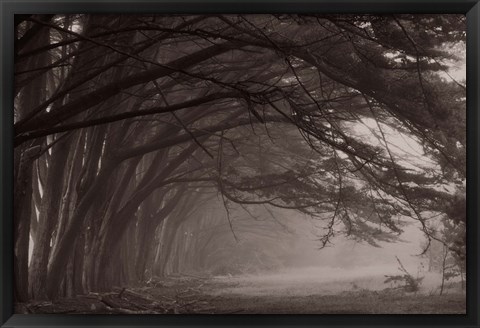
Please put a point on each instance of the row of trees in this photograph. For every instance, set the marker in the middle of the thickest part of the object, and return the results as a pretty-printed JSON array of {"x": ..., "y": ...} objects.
[{"x": 126, "y": 126}]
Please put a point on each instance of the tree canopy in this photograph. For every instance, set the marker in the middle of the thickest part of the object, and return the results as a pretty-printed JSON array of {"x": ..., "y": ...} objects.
[{"x": 121, "y": 119}]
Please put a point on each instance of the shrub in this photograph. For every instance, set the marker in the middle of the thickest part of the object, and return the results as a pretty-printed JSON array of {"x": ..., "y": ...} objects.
[{"x": 409, "y": 283}]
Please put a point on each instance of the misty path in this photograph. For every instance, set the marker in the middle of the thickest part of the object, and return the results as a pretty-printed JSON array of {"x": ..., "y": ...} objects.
[
  {"x": 325, "y": 290},
  {"x": 293, "y": 291}
]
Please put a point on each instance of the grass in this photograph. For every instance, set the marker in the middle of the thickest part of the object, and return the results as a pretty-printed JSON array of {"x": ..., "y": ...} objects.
[
  {"x": 332, "y": 292},
  {"x": 360, "y": 302}
]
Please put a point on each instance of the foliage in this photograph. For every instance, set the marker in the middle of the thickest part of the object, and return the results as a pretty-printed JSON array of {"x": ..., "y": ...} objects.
[{"x": 410, "y": 283}]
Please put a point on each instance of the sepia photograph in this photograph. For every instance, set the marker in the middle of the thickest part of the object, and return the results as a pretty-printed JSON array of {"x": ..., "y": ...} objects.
[{"x": 239, "y": 164}]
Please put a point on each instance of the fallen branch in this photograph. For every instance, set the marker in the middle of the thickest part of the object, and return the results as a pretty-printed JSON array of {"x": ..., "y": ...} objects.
[{"x": 127, "y": 311}]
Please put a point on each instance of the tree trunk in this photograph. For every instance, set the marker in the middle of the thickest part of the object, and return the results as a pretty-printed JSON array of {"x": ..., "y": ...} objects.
[
  {"x": 22, "y": 214},
  {"x": 78, "y": 268},
  {"x": 63, "y": 251},
  {"x": 444, "y": 267},
  {"x": 49, "y": 213}
]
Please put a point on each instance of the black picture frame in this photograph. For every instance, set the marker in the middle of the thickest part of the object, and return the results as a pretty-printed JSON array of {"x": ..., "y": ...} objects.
[{"x": 9, "y": 8}]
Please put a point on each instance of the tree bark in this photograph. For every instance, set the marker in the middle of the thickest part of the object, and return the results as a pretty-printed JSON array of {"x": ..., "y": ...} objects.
[
  {"x": 22, "y": 214},
  {"x": 49, "y": 213}
]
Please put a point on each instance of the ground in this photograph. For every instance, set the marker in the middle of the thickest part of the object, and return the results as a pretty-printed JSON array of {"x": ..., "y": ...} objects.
[{"x": 256, "y": 295}]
